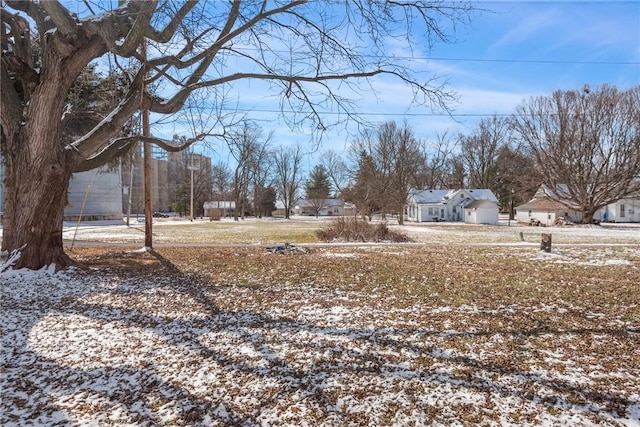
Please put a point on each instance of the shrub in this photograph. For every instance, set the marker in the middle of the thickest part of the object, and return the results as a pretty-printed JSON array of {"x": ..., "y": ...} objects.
[{"x": 351, "y": 229}]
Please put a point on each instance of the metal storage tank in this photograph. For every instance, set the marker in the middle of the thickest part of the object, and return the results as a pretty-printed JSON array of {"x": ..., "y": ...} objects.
[{"x": 96, "y": 195}]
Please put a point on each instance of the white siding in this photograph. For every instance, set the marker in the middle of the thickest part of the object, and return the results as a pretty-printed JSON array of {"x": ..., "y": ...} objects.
[
  {"x": 625, "y": 210},
  {"x": 103, "y": 192},
  {"x": 483, "y": 212}
]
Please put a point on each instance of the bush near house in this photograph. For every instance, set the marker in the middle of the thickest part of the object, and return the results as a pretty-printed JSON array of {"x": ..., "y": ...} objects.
[{"x": 352, "y": 229}]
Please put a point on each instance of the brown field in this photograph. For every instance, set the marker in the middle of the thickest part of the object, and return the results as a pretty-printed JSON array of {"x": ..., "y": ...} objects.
[
  {"x": 467, "y": 326},
  {"x": 303, "y": 230}
]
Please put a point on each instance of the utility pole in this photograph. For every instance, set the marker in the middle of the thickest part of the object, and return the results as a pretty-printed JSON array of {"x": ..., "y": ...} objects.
[
  {"x": 131, "y": 160},
  {"x": 192, "y": 167},
  {"x": 191, "y": 204},
  {"x": 148, "y": 207},
  {"x": 511, "y": 216}
]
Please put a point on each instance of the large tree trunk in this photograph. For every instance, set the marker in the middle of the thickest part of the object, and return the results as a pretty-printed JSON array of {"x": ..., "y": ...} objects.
[
  {"x": 35, "y": 197},
  {"x": 587, "y": 216},
  {"x": 37, "y": 174},
  {"x": 39, "y": 164}
]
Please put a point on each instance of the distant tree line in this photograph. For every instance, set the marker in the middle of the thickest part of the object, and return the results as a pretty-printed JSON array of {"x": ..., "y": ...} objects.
[{"x": 585, "y": 142}]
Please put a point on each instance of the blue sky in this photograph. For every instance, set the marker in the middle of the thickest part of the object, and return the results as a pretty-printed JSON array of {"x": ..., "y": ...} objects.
[
  {"x": 514, "y": 50},
  {"x": 520, "y": 49},
  {"x": 529, "y": 48}
]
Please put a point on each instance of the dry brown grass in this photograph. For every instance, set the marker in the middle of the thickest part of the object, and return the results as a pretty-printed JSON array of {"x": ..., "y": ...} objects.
[
  {"x": 468, "y": 335},
  {"x": 491, "y": 277}
]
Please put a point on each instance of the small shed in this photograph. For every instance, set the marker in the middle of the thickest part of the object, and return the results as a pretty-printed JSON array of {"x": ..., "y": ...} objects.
[{"x": 481, "y": 212}]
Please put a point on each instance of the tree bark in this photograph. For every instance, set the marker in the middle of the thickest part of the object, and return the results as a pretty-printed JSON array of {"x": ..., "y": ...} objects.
[
  {"x": 38, "y": 169},
  {"x": 35, "y": 197},
  {"x": 401, "y": 215}
]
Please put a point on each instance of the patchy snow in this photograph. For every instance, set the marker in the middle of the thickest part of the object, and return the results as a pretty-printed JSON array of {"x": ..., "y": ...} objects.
[
  {"x": 579, "y": 256},
  {"x": 102, "y": 349},
  {"x": 340, "y": 254},
  {"x": 82, "y": 349}
]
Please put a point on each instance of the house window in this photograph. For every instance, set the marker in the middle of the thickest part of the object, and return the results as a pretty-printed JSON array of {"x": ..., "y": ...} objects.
[
  {"x": 622, "y": 211},
  {"x": 430, "y": 211}
]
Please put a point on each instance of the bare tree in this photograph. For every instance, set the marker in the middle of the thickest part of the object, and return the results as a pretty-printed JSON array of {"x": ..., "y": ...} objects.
[
  {"x": 375, "y": 173},
  {"x": 249, "y": 148},
  {"x": 263, "y": 199},
  {"x": 586, "y": 144},
  {"x": 221, "y": 181},
  {"x": 479, "y": 151},
  {"x": 288, "y": 178},
  {"x": 392, "y": 162},
  {"x": 408, "y": 161},
  {"x": 439, "y": 155},
  {"x": 202, "y": 184},
  {"x": 336, "y": 169},
  {"x": 457, "y": 176},
  {"x": 306, "y": 50},
  {"x": 364, "y": 192},
  {"x": 517, "y": 176}
]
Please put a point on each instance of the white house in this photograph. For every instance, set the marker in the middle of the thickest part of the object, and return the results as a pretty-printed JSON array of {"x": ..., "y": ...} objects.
[
  {"x": 325, "y": 207},
  {"x": 481, "y": 212},
  {"x": 428, "y": 205},
  {"x": 449, "y": 205},
  {"x": 219, "y": 208},
  {"x": 624, "y": 210},
  {"x": 545, "y": 210}
]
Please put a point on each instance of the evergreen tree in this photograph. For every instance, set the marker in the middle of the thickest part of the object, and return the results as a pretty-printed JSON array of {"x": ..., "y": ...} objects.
[
  {"x": 318, "y": 188},
  {"x": 319, "y": 184}
]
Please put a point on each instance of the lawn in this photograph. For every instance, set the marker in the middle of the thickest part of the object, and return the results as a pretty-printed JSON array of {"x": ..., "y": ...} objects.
[{"x": 493, "y": 332}]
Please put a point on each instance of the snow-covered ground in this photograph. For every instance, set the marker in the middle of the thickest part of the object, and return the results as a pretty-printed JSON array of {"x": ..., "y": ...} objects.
[
  {"x": 107, "y": 348},
  {"x": 103, "y": 349}
]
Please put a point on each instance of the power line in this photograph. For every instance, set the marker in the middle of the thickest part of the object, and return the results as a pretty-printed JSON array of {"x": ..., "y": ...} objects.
[
  {"x": 336, "y": 113},
  {"x": 490, "y": 60},
  {"x": 525, "y": 61}
]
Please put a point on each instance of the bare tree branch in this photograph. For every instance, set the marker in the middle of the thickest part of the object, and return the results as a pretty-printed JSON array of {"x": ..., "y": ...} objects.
[
  {"x": 60, "y": 16},
  {"x": 586, "y": 145}
]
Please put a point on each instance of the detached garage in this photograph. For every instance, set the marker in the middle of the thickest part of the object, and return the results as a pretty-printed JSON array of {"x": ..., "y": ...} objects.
[
  {"x": 481, "y": 212},
  {"x": 546, "y": 211}
]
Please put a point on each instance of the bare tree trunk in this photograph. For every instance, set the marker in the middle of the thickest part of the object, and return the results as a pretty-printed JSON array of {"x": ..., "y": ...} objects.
[
  {"x": 35, "y": 197},
  {"x": 587, "y": 216}
]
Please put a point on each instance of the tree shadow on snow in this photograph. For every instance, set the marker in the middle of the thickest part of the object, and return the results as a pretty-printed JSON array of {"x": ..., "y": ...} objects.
[{"x": 201, "y": 367}]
